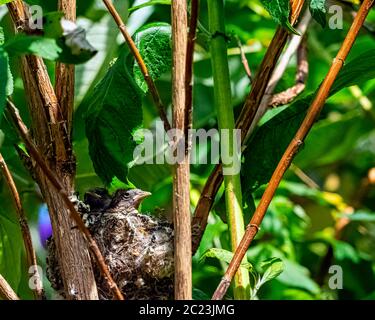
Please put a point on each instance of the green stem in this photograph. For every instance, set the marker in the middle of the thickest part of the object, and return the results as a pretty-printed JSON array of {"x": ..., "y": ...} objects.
[{"x": 222, "y": 93}]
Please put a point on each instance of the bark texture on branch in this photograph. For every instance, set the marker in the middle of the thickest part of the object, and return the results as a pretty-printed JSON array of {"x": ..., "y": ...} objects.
[
  {"x": 6, "y": 291},
  {"x": 181, "y": 178},
  {"x": 53, "y": 141}
]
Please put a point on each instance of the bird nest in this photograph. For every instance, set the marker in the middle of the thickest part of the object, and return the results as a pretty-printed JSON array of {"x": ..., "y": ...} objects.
[{"x": 137, "y": 248}]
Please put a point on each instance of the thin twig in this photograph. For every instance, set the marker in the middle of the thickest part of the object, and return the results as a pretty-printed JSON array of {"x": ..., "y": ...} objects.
[
  {"x": 287, "y": 96},
  {"x": 181, "y": 179},
  {"x": 313, "y": 112},
  {"x": 6, "y": 291},
  {"x": 37, "y": 157},
  {"x": 134, "y": 50},
  {"x": 279, "y": 71},
  {"x": 193, "y": 23},
  {"x": 26, "y": 235},
  {"x": 244, "y": 61},
  {"x": 304, "y": 177},
  {"x": 244, "y": 121}
]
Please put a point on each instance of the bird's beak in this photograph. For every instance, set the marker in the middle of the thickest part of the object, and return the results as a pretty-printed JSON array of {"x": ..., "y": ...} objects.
[{"x": 140, "y": 196}]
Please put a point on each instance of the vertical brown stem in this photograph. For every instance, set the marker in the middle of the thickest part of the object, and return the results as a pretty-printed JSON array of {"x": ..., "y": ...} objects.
[
  {"x": 53, "y": 142},
  {"x": 313, "y": 112},
  {"x": 181, "y": 178},
  {"x": 64, "y": 85}
]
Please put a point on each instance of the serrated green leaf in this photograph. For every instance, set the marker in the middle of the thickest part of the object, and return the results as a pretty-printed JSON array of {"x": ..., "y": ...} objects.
[
  {"x": 223, "y": 255},
  {"x": 154, "y": 44},
  {"x": 318, "y": 11},
  {"x": 149, "y": 3},
  {"x": 280, "y": 11},
  {"x": 272, "y": 138},
  {"x": 272, "y": 267}
]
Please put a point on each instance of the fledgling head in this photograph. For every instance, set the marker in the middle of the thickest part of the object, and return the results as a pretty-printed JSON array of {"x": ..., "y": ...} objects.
[
  {"x": 128, "y": 200},
  {"x": 97, "y": 199}
]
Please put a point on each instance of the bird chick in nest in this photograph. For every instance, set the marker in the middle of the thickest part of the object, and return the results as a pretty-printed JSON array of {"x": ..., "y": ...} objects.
[{"x": 137, "y": 248}]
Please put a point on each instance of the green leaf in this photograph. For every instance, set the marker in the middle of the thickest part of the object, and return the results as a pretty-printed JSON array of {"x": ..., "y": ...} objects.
[
  {"x": 356, "y": 71},
  {"x": 5, "y": 1},
  {"x": 343, "y": 250},
  {"x": 36, "y": 45},
  {"x": 200, "y": 295},
  {"x": 318, "y": 11},
  {"x": 115, "y": 111},
  {"x": 11, "y": 247},
  {"x": 154, "y": 44},
  {"x": 149, "y": 3},
  {"x": 273, "y": 267},
  {"x": 2, "y": 36},
  {"x": 279, "y": 11},
  {"x": 223, "y": 255},
  {"x": 297, "y": 276},
  {"x": 269, "y": 142},
  {"x": 6, "y": 80},
  {"x": 2, "y": 136},
  {"x": 342, "y": 133},
  {"x": 62, "y": 41},
  {"x": 71, "y": 38}
]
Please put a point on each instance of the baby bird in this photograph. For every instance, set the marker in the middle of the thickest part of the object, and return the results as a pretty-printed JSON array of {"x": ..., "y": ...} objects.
[{"x": 137, "y": 248}]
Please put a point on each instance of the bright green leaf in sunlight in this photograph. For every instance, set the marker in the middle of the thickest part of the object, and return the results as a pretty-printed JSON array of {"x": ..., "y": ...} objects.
[
  {"x": 5, "y": 1},
  {"x": 272, "y": 267},
  {"x": 224, "y": 256},
  {"x": 269, "y": 142},
  {"x": 279, "y": 11},
  {"x": 154, "y": 44},
  {"x": 150, "y": 3},
  {"x": 318, "y": 11},
  {"x": 44, "y": 47},
  {"x": 115, "y": 111},
  {"x": 62, "y": 41}
]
